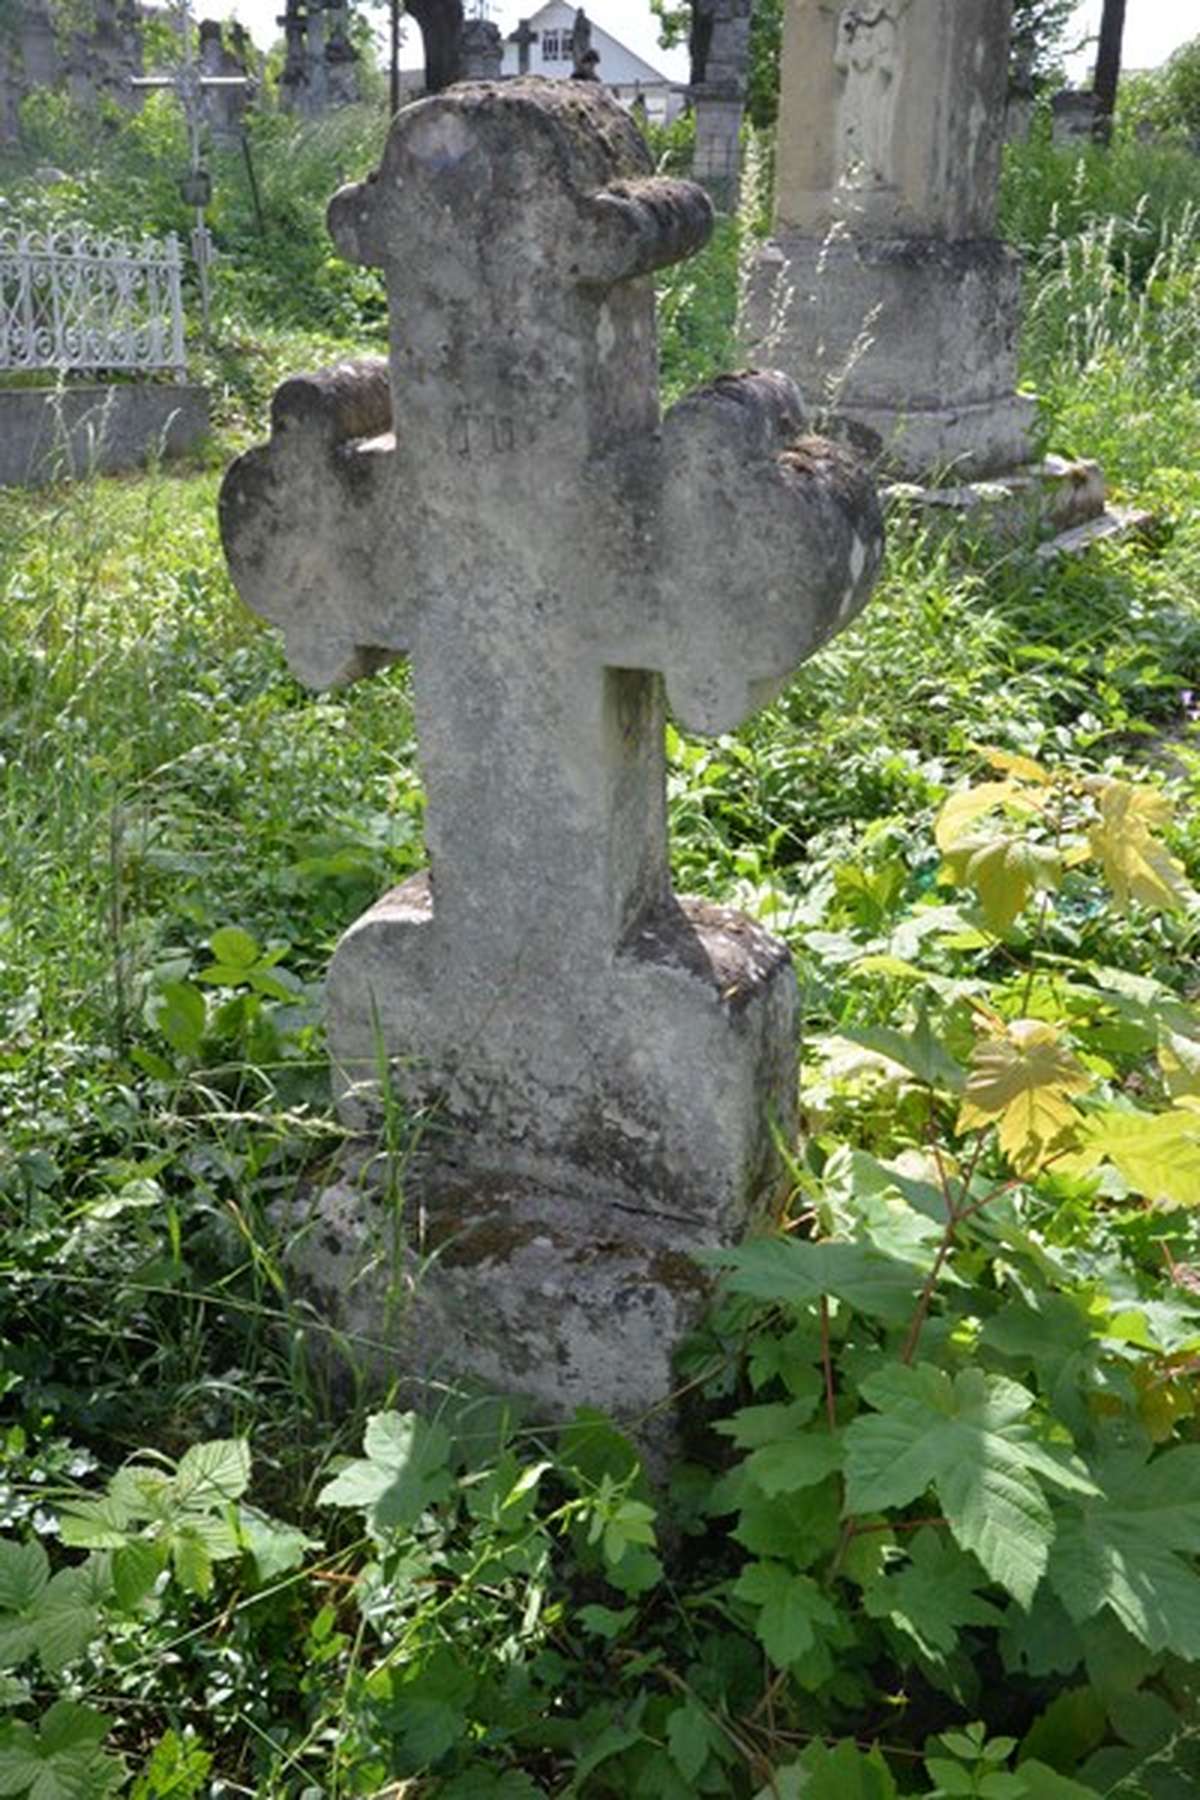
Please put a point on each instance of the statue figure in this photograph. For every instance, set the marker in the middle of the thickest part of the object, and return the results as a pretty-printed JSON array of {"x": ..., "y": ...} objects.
[{"x": 867, "y": 57}]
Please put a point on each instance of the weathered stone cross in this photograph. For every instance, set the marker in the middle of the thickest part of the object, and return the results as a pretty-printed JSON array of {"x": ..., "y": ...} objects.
[{"x": 552, "y": 557}]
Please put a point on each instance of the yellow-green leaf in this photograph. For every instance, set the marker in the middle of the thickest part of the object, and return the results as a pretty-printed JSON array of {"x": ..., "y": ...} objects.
[
  {"x": 1022, "y": 1083},
  {"x": 1004, "y": 871},
  {"x": 1157, "y": 1153},
  {"x": 1010, "y": 762},
  {"x": 962, "y": 809},
  {"x": 1137, "y": 865}
]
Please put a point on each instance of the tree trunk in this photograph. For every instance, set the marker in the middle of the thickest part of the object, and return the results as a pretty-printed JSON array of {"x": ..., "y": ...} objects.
[
  {"x": 394, "y": 62},
  {"x": 1108, "y": 67},
  {"x": 441, "y": 33}
]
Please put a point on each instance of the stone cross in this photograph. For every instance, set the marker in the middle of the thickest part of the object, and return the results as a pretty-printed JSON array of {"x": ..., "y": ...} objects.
[
  {"x": 600, "y": 1062},
  {"x": 523, "y": 37}
]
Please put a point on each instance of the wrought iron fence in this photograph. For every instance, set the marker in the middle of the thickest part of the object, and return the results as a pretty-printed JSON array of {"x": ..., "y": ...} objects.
[{"x": 73, "y": 300}]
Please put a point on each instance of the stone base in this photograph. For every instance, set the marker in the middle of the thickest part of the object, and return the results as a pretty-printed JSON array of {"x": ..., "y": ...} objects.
[
  {"x": 1056, "y": 504},
  {"x": 655, "y": 1084},
  {"x": 505, "y": 1287},
  {"x": 911, "y": 341},
  {"x": 716, "y": 159},
  {"x": 51, "y": 434}
]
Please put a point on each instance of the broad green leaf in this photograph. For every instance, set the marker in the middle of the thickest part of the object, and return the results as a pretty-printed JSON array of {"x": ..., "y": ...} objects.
[
  {"x": 275, "y": 1547},
  {"x": 792, "y": 1608},
  {"x": 66, "y": 1619},
  {"x": 753, "y": 1426},
  {"x": 1022, "y": 1083},
  {"x": 24, "y": 1572},
  {"x": 428, "y": 1712},
  {"x": 801, "y": 1461},
  {"x": 95, "y": 1524},
  {"x": 1041, "y": 1782},
  {"x": 214, "y": 1473},
  {"x": 966, "y": 1439},
  {"x": 234, "y": 946},
  {"x": 192, "y": 1561},
  {"x": 918, "y": 1051},
  {"x": 1068, "y": 1730},
  {"x": 177, "y": 1770},
  {"x": 404, "y": 1471},
  {"x": 1131, "y": 1546},
  {"x": 689, "y": 1738},
  {"x": 135, "y": 1569},
  {"x": 786, "y": 1270},
  {"x": 842, "y": 1773},
  {"x": 933, "y": 1595},
  {"x": 179, "y": 1013},
  {"x": 62, "y": 1760}
]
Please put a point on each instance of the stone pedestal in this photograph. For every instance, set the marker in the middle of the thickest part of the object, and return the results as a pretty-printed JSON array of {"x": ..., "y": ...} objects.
[
  {"x": 913, "y": 338},
  {"x": 885, "y": 292},
  {"x": 717, "y": 157}
]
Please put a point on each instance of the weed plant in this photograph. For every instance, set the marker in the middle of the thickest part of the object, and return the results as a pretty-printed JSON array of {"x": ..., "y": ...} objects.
[{"x": 941, "y": 1536}]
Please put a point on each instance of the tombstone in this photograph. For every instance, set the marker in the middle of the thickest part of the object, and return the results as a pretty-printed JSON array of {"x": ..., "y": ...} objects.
[
  {"x": 524, "y": 38},
  {"x": 591, "y": 1066},
  {"x": 294, "y": 75},
  {"x": 341, "y": 58},
  {"x": 224, "y": 106},
  {"x": 886, "y": 288},
  {"x": 39, "y": 52},
  {"x": 718, "y": 98},
  {"x": 482, "y": 50},
  {"x": 1073, "y": 112},
  {"x": 11, "y": 94},
  {"x": 583, "y": 57}
]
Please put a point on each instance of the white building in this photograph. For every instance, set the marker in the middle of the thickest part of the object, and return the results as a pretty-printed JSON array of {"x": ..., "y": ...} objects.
[{"x": 622, "y": 71}]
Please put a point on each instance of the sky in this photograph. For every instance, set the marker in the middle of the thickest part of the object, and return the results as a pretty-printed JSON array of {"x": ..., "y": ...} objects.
[{"x": 1153, "y": 28}]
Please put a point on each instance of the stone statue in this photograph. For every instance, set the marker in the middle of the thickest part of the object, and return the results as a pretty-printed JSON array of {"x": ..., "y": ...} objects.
[{"x": 867, "y": 58}]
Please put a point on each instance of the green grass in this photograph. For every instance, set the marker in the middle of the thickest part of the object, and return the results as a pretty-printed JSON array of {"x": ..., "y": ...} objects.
[{"x": 162, "y": 778}]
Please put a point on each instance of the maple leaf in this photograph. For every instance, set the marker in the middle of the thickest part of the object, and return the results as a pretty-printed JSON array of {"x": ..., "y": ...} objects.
[
  {"x": 1157, "y": 1153},
  {"x": 792, "y": 1607},
  {"x": 1022, "y": 1083},
  {"x": 932, "y": 1595},
  {"x": 1136, "y": 865},
  {"x": 962, "y": 809},
  {"x": 1131, "y": 1548},
  {"x": 968, "y": 1440},
  {"x": 1004, "y": 871}
]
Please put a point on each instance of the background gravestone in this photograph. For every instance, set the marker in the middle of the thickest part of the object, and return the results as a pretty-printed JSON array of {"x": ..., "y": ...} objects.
[
  {"x": 885, "y": 290},
  {"x": 595, "y": 1064}
]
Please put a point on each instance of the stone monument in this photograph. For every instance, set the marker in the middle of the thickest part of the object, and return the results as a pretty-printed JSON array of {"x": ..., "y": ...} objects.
[
  {"x": 482, "y": 50},
  {"x": 592, "y": 1067},
  {"x": 886, "y": 291},
  {"x": 718, "y": 93}
]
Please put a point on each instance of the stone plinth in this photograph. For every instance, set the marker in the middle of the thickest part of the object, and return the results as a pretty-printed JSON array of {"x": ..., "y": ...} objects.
[
  {"x": 884, "y": 291},
  {"x": 913, "y": 338},
  {"x": 590, "y": 1067},
  {"x": 47, "y": 434},
  {"x": 717, "y": 157}
]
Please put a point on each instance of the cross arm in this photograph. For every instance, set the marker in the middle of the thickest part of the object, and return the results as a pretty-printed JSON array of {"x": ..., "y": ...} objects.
[
  {"x": 306, "y": 527},
  {"x": 771, "y": 542}
]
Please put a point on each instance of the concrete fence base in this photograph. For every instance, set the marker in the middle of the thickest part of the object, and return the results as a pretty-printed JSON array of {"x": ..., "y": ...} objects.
[{"x": 48, "y": 434}]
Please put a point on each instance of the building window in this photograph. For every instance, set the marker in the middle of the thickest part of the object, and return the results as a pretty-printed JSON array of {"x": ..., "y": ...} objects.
[{"x": 555, "y": 46}]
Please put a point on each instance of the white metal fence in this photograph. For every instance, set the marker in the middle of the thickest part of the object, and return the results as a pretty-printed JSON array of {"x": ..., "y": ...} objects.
[{"x": 71, "y": 300}]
